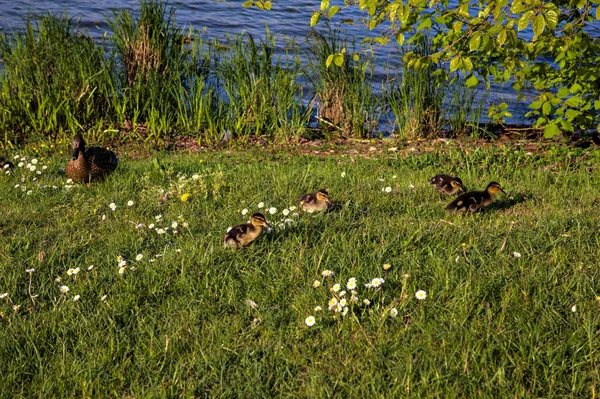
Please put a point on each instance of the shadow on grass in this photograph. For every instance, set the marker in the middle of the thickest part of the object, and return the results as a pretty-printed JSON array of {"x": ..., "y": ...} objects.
[{"x": 509, "y": 202}]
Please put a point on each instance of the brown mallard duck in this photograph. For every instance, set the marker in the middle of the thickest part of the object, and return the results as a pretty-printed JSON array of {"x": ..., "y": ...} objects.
[
  {"x": 243, "y": 234},
  {"x": 475, "y": 200},
  {"x": 91, "y": 164},
  {"x": 448, "y": 185},
  {"x": 5, "y": 164},
  {"x": 314, "y": 202}
]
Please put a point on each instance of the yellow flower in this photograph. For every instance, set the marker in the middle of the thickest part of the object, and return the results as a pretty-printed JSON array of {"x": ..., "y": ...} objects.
[
  {"x": 185, "y": 197},
  {"x": 386, "y": 266}
]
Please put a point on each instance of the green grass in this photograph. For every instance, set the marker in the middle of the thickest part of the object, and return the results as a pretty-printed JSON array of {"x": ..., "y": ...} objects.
[{"x": 492, "y": 325}]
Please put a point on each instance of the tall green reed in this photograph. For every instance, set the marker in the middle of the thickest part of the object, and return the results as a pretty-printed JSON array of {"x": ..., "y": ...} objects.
[
  {"x": 427, "y": 103},
  {"x": 346, "y": 101},
  {"x": 52, "y": 79},
  {"x": 262, "y": 90}
]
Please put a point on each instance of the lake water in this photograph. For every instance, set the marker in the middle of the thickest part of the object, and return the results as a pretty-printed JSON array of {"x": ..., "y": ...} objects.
[{"x": 287, "y": 19}]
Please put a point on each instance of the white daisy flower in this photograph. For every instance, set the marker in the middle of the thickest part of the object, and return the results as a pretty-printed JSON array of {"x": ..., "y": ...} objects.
[
  {"x": 420, "y": 295},
  {"x": 139, "y": 257},
  {"x": 261, "y": 205},
  {"x": 310, "y": 321},
  {"x": 244, "y": 212},
  {"x": 64, "y": 289},
  {"x": 76, "y": 298},
  {"x": 336, "y": 287},
  {"x": 130, "y": 203},
  {"x": 393, "y": 312},
  {"x": 316, "y": 284},
  {"x": 327, "y": 273},
  {"x": 272, "y": 210},
  {"x": 343, "y": 174},
  {"x": 318, "y": 308},
  {"x": 112, "y": 206},
  {"x": 286, "y": 212},
  {"x": 388, "y": 189}
]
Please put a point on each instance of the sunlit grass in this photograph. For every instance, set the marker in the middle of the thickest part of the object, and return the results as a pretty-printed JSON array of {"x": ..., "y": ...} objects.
[{"x": 387, "y": 295}]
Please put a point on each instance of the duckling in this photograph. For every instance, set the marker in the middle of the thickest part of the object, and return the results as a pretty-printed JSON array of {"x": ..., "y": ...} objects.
[
  {"x": 448, "y": 185},
  {"x": 243, "y": 234},
  {"x": 91, "y": 164},
  {"x": 314, "y": 202},
  {"x": 475, "y": 200},
  {"x": 6, "y": 164}
]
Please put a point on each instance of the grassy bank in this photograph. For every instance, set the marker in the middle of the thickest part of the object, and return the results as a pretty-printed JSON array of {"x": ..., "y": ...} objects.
[{"x": 511, "y": 306}]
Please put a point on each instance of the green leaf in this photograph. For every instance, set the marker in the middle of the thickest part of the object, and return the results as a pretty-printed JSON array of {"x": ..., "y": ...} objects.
[
  {"x": 524, "y": 20},
  {"x": 517, "y": 7},
  {"x": 338, "y": 59},
  {"x": 572, "y": 114},
  {"x": 425, "y": 24},
  {"x": 597, "y": 105},
  {"x": 535, "y": 105},
  {"x": 454, "y": 63},
  {"x": 501, "y": 39},
  {"x": 539, "y": 24},
  {"x": 267, "y": 5},
  {"x": 248, "y": 4},
  {"x": 475, "y": 41},
  {"x": 329, "y": 60},
  {"x": 598, "y": 12},
  {"x": 400, "y": 39},
  {"x": 566, "y": 125},
  {"x": 472, "y": 81},
  {"x": 573, "y": 102},
  {"x": 551, "y": 131},
  {"x": 551, "y": 18},
  {"x": 575, "y": 88},
  {"x": 324, "y": 5},
  {"x": 467, "y": 64},
  {"x": 547, "y": 108},
  {"x": 562, "y": 92},
  {"x": 315, "y": 18},
  {"x": 381, "y": 40},
  {"x": 332, "y": 11}
]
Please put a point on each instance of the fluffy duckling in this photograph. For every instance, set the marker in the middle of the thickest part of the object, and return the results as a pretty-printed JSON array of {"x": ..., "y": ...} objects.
[
  {"x": 91, "y": 164},
  {"x": 314, "y": 202},
  {"x": 448, "y": 185},
  {"x": 475, "y": 200},
  {"x": 5, "y": 164},
  {"x": 243, "y": 234}
]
